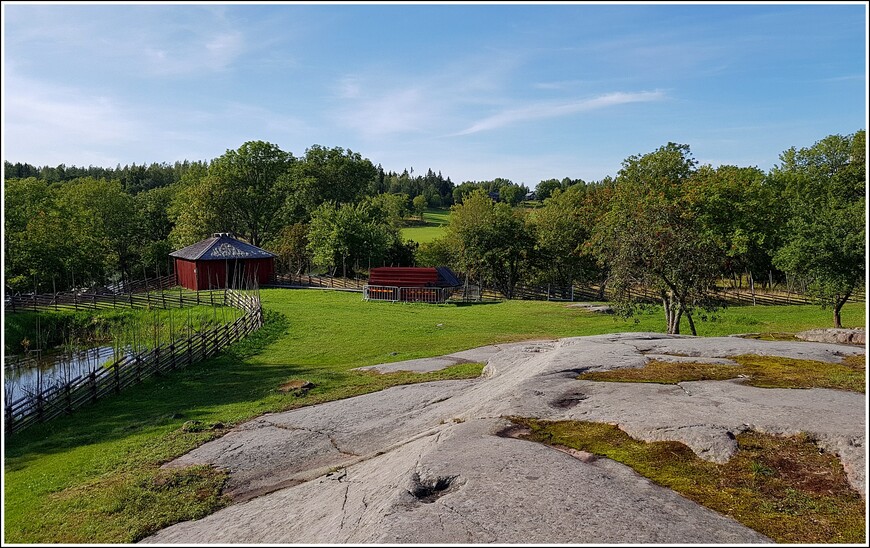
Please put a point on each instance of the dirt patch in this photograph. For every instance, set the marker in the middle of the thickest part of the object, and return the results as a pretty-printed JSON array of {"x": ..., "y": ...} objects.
[{"x": 297, "y": 387}]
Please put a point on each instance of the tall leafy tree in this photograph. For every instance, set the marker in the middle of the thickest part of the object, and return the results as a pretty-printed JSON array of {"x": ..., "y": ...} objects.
[
  {"x": 254, "y": 184},
  {"x": 242, "y": 191},
  {"x": 106, "y": 215},
  {"x": 741, "y": 213},
  {"x": 824, "y": 239},
  {"x": 327, "y": 175},
  {"x": 291, "y": 247},
  {"x": 491, "y": 241},
  {"x": 154, "y": 227},
  {"x": 34, "y": 253},
  {"x": 562, "y": 229},
  {"x": 652, "y": 240},
  {"x": 350, "y": 236}
]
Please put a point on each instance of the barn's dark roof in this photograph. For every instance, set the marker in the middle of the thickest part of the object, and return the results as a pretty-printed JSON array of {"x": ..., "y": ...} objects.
[
  {"x": 219, "y": 247},
  {"x": 446, "y": 277}
]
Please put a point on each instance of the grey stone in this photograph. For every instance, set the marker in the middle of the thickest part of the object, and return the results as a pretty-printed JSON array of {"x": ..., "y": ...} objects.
[
  {"x": 834, "y": 335},
  {"x": 424, "y": 463}
]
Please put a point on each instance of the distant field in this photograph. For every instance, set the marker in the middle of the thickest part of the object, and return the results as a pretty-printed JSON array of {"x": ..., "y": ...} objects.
[{"x": 435, "y": 221}]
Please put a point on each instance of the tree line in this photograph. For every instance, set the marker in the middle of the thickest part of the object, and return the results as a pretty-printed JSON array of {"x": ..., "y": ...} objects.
[{"x": 663, "y": 223}]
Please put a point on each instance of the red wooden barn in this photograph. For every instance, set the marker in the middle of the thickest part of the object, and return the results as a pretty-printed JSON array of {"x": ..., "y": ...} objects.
[{"x": 222, "y": 261}]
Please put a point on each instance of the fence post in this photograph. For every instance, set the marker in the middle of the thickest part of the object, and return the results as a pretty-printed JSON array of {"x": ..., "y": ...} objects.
[
  {"x": 93, "y": 376},
  {"x": 10, "y": 420},
  {"x": 117, "y": 377}
]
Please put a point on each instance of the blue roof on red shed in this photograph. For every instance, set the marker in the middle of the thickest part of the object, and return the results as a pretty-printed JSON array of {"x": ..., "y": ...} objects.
[{"x": 219, "y": 247}]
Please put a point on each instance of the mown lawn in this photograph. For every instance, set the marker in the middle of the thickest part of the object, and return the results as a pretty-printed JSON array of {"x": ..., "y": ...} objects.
[
  {"x": 94, "y": 477},
  {"x": 435, "y": 222}
]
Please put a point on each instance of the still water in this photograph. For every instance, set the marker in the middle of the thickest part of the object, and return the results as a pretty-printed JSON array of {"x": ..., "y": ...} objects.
[{"x": 54, "y": 368}]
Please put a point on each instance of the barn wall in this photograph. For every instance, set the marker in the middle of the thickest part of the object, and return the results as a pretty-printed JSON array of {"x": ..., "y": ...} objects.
[
  {"x": 185, "y": 272},
  {"x": 213, "y": 274},
  {"x": 264, "y": 268}
]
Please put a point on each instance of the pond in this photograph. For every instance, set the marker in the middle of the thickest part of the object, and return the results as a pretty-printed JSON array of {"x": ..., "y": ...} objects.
[{"x": 28, "y": 376}]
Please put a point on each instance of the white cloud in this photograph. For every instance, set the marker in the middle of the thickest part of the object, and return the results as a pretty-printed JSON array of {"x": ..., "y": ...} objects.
[
  {"x": 349, "y": 88},
  {"x": 213, "y": 52},
  {"x": 407, "y": 110},
  {"x": 63, "y": 123},
  {"x": 539, "y": 111},
  {"x": 564, "y": 84}
]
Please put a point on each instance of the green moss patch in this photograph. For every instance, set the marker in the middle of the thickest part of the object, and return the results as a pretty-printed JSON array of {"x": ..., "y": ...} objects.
[
  {"x": 760, "y": 371},
  {"x": 129, "y": 505},
  {"x": 787, "y": 488}
]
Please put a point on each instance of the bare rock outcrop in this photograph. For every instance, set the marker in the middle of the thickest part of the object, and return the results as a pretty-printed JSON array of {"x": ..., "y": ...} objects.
[
  {"x": 430, "y": 463},
  {"x": 834, "y": 335}
]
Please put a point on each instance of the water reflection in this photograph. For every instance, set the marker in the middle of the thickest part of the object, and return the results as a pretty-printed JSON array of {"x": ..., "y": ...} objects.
[{"x": 22, "y": 377}]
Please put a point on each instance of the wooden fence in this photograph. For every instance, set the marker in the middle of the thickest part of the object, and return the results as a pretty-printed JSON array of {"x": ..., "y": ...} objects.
[
  {"x": 62, "y": 398},
  {"x": 92, "y": 301},
  {"x": 725, "y": 295},
  {"x": 325, "y": 282}
]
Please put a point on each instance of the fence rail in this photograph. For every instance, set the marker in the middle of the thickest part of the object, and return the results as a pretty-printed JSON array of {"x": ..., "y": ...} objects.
[
  {"x": 330, "y": 282},
  {"x": 62, "y": 398},
  {"x": 575, "y": 292},
  {"x": 93, "y": 301}
]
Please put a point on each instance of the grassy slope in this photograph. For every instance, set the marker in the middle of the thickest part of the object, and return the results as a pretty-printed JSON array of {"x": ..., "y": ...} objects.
[
  {"x": 53, "y": 328},
  {"x": 93, "y": 477},
  {"x": 436, "y": 220}
]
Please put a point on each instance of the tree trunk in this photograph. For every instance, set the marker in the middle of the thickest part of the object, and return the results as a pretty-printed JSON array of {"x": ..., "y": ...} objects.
[
  {"x": 838, "y": 306},
  {"x": 677, "y": 316},
  {"x": 691, "y": 324},
  {"x": 669, "y": 311}
]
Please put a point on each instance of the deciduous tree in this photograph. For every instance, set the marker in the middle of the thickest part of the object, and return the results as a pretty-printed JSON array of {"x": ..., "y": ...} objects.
[{"x": 824, "y": 240}]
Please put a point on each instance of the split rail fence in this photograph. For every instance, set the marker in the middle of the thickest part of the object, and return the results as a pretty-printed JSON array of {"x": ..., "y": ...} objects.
[
  {"x": 63, "y": 398},
  {"x": 735, "y": 297}
]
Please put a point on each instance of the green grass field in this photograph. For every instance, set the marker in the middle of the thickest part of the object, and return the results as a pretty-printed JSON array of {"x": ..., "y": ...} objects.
[
  {"x": 436, "y": 220},
  {"x": 94, "y": 477}
]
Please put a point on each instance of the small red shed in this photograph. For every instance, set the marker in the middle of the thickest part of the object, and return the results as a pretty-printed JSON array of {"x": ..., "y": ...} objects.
[
  {"x": 410, "y": 284},
  {"x": 222, "y": 261}
]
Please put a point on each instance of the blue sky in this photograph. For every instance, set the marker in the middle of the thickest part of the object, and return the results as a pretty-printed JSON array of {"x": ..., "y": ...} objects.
[{"x": 525, "y": 92}]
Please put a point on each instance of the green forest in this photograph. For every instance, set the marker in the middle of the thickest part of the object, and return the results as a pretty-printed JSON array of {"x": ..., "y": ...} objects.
[{"x": 663, "y": 222}]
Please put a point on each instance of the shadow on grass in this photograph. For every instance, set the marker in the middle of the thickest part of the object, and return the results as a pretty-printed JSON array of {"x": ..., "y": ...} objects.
[{"x": 474, "y": 303}]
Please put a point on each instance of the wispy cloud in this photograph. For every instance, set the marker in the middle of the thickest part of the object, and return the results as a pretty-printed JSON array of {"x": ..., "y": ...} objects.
[
  {"x": 539, "y": 111},
  {"x": 564, "y": 84},
  {"x": 213, "y": 52},
  {"x": 163, "y": 41},
  {"x": 66, "y": 121},
  {"x": 405, "y": 110}
]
